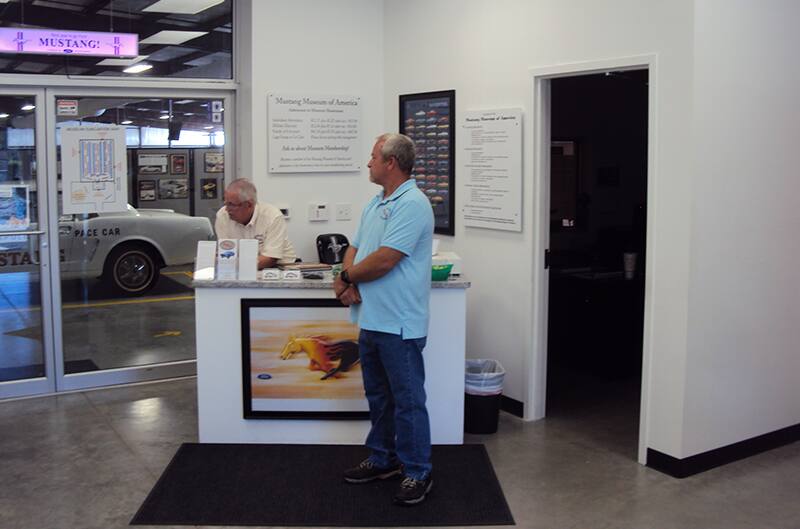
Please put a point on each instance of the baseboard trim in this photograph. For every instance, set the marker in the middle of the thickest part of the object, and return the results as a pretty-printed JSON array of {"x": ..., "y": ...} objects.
[
  {"x": 688, "y": 466},
  {"x": 512, "y": 406}
]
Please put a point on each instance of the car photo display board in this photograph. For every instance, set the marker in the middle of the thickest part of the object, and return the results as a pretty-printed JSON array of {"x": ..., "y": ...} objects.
[{"x": 428, "y": 119}]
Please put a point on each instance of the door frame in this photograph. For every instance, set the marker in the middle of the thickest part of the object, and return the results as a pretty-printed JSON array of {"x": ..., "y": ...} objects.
[
  {"x": 122, "y": 375},
  {"x": 46, "y": 384},
  {"x": 536, "y": 367}
]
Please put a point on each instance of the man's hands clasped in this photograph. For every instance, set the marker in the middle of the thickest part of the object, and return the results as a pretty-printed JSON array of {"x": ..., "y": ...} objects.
[{"x": 347, "y": 293}]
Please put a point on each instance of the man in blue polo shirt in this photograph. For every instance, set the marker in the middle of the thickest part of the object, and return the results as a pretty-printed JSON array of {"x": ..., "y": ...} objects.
[{"x": 386, "y": 280}]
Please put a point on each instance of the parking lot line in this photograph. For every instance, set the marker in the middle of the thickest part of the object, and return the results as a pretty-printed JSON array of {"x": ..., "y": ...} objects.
[
  {"x": 186, "y": 273},
  {"x": 124, "y": 302},
  {"x": 102, "y": 304}
]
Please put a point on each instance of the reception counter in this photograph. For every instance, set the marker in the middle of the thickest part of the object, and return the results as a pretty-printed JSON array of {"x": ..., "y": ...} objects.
[{"x": 220, "y": 386}]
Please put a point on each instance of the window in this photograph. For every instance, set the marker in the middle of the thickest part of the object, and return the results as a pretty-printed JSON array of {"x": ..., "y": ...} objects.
[{"x": 185, "y": 39}]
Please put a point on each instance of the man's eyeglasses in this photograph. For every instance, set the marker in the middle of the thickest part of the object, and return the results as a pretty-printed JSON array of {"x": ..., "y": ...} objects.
[{"x": 234, "y": 205}]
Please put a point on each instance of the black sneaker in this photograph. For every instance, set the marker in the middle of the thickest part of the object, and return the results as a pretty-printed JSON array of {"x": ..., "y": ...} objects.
[
  {"x": 413, "y": 491},
  {"x": 366, "y": 471}
]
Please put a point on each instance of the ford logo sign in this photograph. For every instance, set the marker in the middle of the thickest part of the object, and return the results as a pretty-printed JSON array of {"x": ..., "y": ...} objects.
[{"x": 67, "y": 51}]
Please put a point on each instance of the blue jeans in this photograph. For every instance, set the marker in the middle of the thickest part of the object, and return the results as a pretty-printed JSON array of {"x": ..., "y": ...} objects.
[{"x": 394, "y": 378}]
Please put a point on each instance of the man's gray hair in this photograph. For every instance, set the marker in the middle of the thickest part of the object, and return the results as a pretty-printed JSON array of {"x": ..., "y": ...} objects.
[
  {"x": 245, "y": 189},
  {"x": 401, "y": 147}
]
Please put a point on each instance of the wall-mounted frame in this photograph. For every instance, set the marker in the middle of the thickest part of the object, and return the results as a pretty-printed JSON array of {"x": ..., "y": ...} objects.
[
  {"x": 300, "y": 360},
  {"x": 429, "y": 119},
  {"x": 214, "y": 162},
  {"x": 177, "y": 164},
  {"x": 564, "y": 183},
  {"x": 151, "y": 164},
  {"x": 147, "y": 190},
  {"x": 169, "y": 188}
]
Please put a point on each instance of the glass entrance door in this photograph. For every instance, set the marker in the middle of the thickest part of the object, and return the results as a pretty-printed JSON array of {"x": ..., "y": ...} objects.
[
  {"x": 26, "y": 351},
  {"x": 103, "y": 295},
  {"x": 124, "y": 302}
]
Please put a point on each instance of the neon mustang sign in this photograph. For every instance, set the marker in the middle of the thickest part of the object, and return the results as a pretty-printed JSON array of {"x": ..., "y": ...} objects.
[{"x": 60, "y": 42}]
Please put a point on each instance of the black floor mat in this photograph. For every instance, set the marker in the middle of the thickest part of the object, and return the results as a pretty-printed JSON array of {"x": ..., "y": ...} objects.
[{"x": 302, "y": 485}]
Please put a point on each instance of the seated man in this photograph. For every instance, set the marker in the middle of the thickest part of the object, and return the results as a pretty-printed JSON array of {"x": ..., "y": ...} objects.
[{"x": 244, "y": 217}]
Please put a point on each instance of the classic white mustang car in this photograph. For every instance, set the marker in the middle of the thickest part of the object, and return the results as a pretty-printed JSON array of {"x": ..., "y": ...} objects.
[{"x": 125, "y": 249}]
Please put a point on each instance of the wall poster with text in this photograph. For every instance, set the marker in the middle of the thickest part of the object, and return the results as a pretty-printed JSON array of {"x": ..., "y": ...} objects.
[{"x": 428, "y": 119}]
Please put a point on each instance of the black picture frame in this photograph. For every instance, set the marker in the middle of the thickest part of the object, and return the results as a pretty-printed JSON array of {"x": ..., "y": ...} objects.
[
  {"x": 273, "y": 320},
  {"x": 434, "y": 169}
]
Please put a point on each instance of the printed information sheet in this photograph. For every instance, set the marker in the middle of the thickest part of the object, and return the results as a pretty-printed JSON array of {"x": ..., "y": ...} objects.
[
  {"x": 491, "y": 157},
  {"x": 94, "y": 169}
]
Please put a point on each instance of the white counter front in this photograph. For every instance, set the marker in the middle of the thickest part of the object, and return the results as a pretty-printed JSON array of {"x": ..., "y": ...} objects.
[{"x": 219, "y": 366}]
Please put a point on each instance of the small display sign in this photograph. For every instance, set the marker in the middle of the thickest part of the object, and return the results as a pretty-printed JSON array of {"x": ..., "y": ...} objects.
[{"x": 67, "y": 107}]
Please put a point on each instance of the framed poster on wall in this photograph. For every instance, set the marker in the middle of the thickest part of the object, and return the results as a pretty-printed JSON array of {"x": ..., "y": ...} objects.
[
  {"x": 429, "y": 119},
  {"x": 177, "y": 163},
  {"x": 214, "y": 162},
  {"x": 300, "y": 360},
  {"x": 208, "y": 189},
  {"x": 169, "y": 188},
  {"x": 147, "y": 190},
  {"x": 152, "y": 164}
]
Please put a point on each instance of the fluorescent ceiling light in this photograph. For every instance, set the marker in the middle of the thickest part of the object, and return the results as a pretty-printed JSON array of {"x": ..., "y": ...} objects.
[
  {"x": 122, "y": 62},
  {"x": 169, "y": 36},
  {"x": 184, "y": 101},
  {"x": 3, "y": 115},
  {"x": 208, "y": 127},
  {"x": 183, "y": 7},
  {"x": 28, "y": 107},
  {"x": 165, "y": 116},
  {"x": 126, "y": 122},
  {"x": 137, "y": 68}
]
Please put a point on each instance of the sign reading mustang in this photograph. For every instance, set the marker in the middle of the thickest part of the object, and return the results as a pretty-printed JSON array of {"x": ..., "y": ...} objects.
[{"x": 60, "y": 42}]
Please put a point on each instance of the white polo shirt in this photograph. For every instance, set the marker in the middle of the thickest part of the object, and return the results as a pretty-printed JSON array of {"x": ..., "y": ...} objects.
[{"x": 267, "y": 226}]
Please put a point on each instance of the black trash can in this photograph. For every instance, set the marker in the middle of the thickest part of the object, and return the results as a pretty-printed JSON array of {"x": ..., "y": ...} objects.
[
  {"x": 483, "y": 390},
  {"x": 481, "y": 413}
]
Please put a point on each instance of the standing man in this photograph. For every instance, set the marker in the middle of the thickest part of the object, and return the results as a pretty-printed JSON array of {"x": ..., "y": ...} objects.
[
  {"x": 244, "y": 217},
  {"x": 386, "y": 279}
]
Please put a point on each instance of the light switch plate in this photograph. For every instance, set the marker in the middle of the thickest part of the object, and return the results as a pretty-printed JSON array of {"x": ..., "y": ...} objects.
[{"x": 344, "y": 211}]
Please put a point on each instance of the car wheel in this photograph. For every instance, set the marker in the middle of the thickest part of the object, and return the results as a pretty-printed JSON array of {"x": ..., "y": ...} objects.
[{"x": 132, "y": 269}]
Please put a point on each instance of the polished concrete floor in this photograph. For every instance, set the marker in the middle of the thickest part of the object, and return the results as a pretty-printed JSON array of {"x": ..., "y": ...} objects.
[
  {"x": 87, "y": 460},
  {"x": 100, "y": 328}
]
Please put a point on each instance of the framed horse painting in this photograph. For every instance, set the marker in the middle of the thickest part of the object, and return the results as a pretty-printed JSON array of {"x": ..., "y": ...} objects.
[{"x": 300, "y": 360}]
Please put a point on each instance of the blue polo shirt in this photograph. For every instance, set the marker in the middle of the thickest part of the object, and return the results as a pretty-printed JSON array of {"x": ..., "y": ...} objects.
[{"x": 397, "y": 303}]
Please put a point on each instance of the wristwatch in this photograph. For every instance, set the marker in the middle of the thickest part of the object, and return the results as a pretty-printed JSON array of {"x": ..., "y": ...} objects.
[{"x": 345, "y": 275}]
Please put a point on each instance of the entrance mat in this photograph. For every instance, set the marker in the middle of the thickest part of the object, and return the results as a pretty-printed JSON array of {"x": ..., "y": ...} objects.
[
  {"x": 37, "y": 370},
  {"x": 302, "y": 485}
]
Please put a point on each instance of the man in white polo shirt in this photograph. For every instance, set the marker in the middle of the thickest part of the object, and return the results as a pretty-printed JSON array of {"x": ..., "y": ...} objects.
[{"x": 244, "y": 217}]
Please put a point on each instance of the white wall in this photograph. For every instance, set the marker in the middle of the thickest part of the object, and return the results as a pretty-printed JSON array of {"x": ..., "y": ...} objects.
[
  {"x": 309, "y": 47},
  {"x": 484, "y": 51},
  {"x": 721, "y": 234},
  {"x": 743, "y": 371}
]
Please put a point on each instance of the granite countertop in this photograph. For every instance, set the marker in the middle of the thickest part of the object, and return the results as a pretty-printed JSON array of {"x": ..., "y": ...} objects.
[{"x": 324, "y": 283}]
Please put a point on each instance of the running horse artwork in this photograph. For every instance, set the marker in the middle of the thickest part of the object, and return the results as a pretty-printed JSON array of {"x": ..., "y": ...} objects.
[{"x": 333, "y": 358}]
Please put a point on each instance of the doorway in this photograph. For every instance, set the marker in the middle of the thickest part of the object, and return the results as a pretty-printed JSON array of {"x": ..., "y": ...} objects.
[
  {"x": 104, "y": 295},
  {"x": 598, "y": 196},
  {"x": 594, "y": 165}
]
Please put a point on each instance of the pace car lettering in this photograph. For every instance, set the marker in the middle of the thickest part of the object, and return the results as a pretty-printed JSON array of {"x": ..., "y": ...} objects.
[
  {"x": 97, "y": 232},
  {"x": 22, "y": 258}
]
